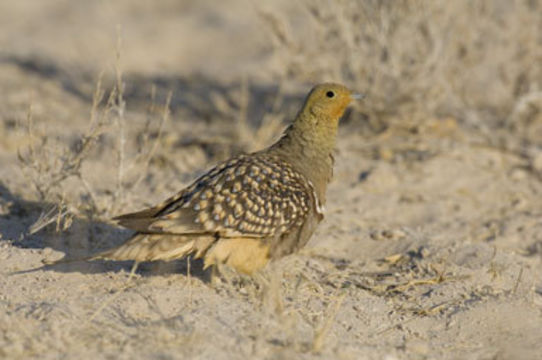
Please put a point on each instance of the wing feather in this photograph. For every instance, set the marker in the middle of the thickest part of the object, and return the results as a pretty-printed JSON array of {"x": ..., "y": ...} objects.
[{"x": 248, "y": 196}]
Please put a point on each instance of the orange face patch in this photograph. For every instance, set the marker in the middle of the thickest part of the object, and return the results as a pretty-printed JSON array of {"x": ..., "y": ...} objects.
[{"x": 329, "y": 100}]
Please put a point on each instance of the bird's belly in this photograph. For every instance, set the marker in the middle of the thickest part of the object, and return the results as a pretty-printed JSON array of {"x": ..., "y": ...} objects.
[{"x": 245, "y": 255}]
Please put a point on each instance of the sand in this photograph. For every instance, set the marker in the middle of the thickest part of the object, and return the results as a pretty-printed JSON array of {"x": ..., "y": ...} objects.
[{"x": 431, "y": 247}]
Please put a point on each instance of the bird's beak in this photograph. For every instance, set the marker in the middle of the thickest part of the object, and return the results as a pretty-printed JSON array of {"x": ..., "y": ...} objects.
[{"x": 357, "y": 96}]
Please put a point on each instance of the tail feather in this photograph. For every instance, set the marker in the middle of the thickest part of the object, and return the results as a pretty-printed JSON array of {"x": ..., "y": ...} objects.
[
  {"x": 246, "y": 255},
  {"x": 149, "y": 247},
  {"x": 152, "y": 247}
]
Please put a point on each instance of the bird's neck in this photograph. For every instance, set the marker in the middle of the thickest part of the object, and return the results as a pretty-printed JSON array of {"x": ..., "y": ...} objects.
[{"x": 308, "y": 144}]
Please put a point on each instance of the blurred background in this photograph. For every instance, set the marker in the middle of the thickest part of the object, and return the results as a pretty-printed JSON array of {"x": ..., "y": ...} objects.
[
  {"x": 425, "y": 65},
  {"x": 109, "y": 106}
]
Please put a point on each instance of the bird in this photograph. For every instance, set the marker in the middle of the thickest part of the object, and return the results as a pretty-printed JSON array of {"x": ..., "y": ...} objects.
[{"x": 252, "y": 208}]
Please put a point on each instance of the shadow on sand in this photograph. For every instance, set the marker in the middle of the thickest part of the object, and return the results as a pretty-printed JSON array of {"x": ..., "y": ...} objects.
[
  {"x": 82, "y": 239},
  {"x": 195, "y": 94}
]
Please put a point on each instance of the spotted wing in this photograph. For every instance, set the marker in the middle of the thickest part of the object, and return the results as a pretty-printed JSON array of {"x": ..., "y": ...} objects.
[{"x": 255, "y": 196}]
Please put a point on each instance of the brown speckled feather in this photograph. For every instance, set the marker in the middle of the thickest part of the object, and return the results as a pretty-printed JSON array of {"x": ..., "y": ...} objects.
[
  {"x": 257, "y": 196},
  {"x": 251, "y": 208}
]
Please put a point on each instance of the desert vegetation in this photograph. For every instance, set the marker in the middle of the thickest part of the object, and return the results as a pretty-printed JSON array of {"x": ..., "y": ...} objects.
[{"x": 432, "y": 242}]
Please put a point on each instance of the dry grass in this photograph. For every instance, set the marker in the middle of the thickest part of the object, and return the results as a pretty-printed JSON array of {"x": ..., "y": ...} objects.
[
  {"x": 436, "y": 72},
  {"x": 419, "y": 60},
  {"x": 50, "y": 164}
]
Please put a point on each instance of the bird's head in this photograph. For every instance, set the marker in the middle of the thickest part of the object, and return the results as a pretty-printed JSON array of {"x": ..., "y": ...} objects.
[
  {"x": 309, "y": 141},
  {"x": 316, "y": 124},
  {"x": 328, "y": 101}
]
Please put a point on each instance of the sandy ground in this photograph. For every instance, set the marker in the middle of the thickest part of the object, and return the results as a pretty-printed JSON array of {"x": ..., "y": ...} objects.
[{"x": 431, "y": 246}]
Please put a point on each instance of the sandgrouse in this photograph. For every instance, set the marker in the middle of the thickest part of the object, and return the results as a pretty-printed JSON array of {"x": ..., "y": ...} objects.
[{"x": 251, "y": 208}]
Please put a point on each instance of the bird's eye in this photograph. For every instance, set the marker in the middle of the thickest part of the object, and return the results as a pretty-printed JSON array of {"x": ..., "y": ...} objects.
[{"x": 330, "y": 94}]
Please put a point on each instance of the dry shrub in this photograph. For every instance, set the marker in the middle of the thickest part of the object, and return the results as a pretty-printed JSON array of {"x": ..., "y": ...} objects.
[
  {"x": 52, "y": 166},
  {"x": 471, "y": 60}
]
